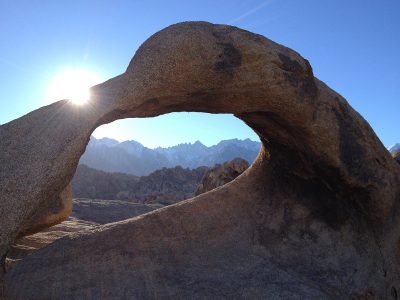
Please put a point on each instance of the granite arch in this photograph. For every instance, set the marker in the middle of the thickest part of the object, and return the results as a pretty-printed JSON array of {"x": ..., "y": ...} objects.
[{"x": 323, "y": 184}]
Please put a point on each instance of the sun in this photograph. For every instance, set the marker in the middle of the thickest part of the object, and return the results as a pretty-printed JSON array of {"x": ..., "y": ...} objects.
[{"x": 73, "y": 85}]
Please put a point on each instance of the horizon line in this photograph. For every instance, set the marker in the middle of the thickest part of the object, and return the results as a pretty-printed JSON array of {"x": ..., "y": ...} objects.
[{"x": 183, "y": 143}]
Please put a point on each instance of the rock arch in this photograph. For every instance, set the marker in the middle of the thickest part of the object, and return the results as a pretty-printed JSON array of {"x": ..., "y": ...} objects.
[{"x": 316, "y": 215}]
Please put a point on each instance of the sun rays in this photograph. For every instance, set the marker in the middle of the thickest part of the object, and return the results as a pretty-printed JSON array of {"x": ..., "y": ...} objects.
[{"x": 73, "y": 85}]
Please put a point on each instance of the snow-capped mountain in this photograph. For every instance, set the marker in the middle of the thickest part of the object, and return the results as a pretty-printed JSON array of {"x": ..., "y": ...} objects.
[
  {"x": 394, "y": 148},
  {"x": 131, "y": 157}
]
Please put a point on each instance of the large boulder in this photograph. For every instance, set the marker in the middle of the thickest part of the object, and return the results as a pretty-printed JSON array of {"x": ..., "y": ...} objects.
[
  {"x": 316, "y": 216},
  {"x": 221, "y": 174}
]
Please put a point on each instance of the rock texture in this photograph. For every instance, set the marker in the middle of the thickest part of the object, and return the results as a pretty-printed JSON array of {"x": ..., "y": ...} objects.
[
  {"x": 221, "y": 174},
  {"x": 316, "y": 216},
  {"x": 31, "y": 243},
  {"x": 51, "y": 213},
  {"x": 107, "y": 211},
  {"x": 165, "y": 186},
  {"x": 86, "y": 214}
]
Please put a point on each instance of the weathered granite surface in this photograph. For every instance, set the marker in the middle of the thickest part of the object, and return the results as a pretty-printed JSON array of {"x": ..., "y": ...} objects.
[
  {"x": 316, "y": 216},
  {"x": 86, "y": 214},
  {"x": 49, "y": 214}
]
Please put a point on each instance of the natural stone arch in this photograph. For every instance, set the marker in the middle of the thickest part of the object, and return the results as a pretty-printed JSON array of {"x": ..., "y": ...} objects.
[{"x": 323, "y": 190}]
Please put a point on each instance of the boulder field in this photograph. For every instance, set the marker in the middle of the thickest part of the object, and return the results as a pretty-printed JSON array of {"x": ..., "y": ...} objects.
[{"x": 316, "y": 216}]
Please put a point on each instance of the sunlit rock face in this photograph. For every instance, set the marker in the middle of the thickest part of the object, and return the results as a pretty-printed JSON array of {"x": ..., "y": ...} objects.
[
  {"x": 51, "y": 213},
  {"x": 316, "y": 216}
]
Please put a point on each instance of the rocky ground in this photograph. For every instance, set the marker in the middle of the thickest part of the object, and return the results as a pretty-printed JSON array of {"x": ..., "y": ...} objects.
[
  {"x": 29, "y": 244},
  {"x": 86, "y": 214},
  {"x": 108, "y": 211}
]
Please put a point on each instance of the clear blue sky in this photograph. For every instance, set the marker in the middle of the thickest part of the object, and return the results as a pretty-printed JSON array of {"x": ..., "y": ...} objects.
[{"x": 352, "y": 45}]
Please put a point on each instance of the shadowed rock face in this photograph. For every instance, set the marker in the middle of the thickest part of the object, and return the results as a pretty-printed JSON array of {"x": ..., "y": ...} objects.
[
  {"x": 316, "y": 215},
  {"x": 221, "y": 174}
]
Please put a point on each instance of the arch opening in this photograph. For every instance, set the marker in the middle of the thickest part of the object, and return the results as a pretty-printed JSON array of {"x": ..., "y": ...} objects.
[{"x": 119, "y": 179}]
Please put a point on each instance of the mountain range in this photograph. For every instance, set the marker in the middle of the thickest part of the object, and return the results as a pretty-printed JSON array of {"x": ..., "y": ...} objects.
[{"x": 133, "y": 158}]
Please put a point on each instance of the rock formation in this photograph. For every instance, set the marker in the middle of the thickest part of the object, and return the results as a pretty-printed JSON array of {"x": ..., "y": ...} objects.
[
  {"x": 95, "y": 184},
  {"x": 51, "y": 213},
  {"x": 31, "y": 243},
  {"x": 165, "y": 186},
  {"x": 316, "y": 216},
  {"x": 221, "y": 174},
  {"x": 86, "y": 214},
  {"x": 106, "y": 211}
]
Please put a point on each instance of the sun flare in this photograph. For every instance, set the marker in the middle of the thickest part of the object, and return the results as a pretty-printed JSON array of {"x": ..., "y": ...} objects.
[{"x": 73, "y": 85}]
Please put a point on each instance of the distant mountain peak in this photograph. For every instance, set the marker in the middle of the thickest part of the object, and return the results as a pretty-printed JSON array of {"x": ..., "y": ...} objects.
[
  {"x": 106, "y": 139},
  {"x": 132, "y": 142},
  {"x": 394, "y": 147},
  {"x": 132, "y": 157}
]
